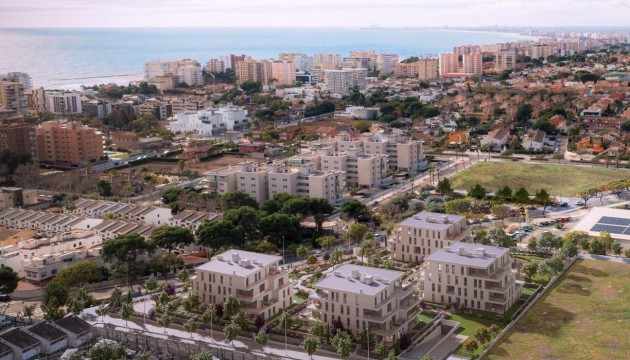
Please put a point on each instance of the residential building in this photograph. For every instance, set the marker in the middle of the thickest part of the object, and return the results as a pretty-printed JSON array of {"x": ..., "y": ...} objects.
[
  {"x": 342, "y": 81},
  {"x": 425, "y": 232},
  {"x": 78, "y": 330},
  {"x": 51, "y": 338},
  {"x": 215, "y": 65},
  {"x": 464, "y": 61},
  {"x": 165, "y": 82},
  {"x": 385, "y": 63},
  {"x": 70, "y": 143},
  {"x": 161, "y": 110},
  {"x": 534, "y": 141},
  {"x": 327, "y": 61},
  {"x": 472, "y": 64},
  {"x": 505, "y": 59},
  {"x": 362, "y": 170},
  {"x": 210, "y": 121},
  {"x": 17, "y": 197},
  {"x": 149, "y": 215},
  {"x": 19, "y": 137},
  {"x": 44, "y": 267},
  {"x": 24, "y": 346},
  {"x": 19, "y": 77},
  {"x": 12, "y": 97},
  {"x": 302, "y": 62},
  {"x": 428, "y": 69},
  {"x": 37, "y": 100},
  {"x": 63, "y": 102},
  {"x": 471, "y": 275},
  {"x": 232, "y": 60},
  {"x": 448, "y": 64},
  {"x": 497, "y": 138},
  {"x": 307, "y": 181},
  {"x": 97, "y": 108},
  {"x": 190, "y": 74},
  {"x": 360, "y": 298},
  {"x": 283, "y": 72},
  {"x": 253, "y": 180},
  {"x": 256, "y": 280},
  {"x": 407, "y": 70},
  {"x": 252, "y": 70},
  {"x": 160, "y": 68}
]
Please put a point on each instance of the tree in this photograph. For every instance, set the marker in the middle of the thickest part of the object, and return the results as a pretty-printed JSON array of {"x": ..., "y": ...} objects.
[
  {"x": 532, "y": 244},
  {"x": 302, "y": 251},
  {"x": 165, "y": 263},
  {"x": 551, "y": 266},
  {"x": 231, "y": 306},
  {"x": 498, "y": 237},
  {"x": 380, "y": 348},
  {"x": 477, "y": 191},
  {"x": 241, "y": 319},
  {"x": 481, "y": 237},
  {"x": 326, "y": 242},
  {"x": 367, "y": 246},
  {"x": 319, "y": 208},
  {"x": 354, "y": 209},
  {"x": 577, "y": 237},
  {"x": 543, "y": 199},
  {"x": 521, "y": 196},
  {"x": 8, "y": 280},
  {"x": 209, "y": 317},
  {"x": 79, "y": 300},
  {"x": 391, "y": 355},
  {"x": 28, "y": 311},
  {"x": 586, "y": 195},
  {"x": 246, "y": 218},
  {"x": 170, "y": 237},
  {"x": 261, "y": 338},
  {"x": 192, "y": 302},
  {"x": 547, "y": 241},
  {"x": 231, "y": 331},
  {"x": 236, "y": 199},
  {"x": 317, "y": 328},
  {"x": 471, "y": 345},
  {"x": 170, "y": 195},
  {"x": 164, "y": 320},
  {"x": 251, "y": 87},
  {"x": 107, "y": 351},
  {"x": 277, "y": 227},
  {"x": 504, "y": 195},
  {"x": 310, "y": 344},
  {"x": 616, "y": 248},
  {"x": 500, "y": 211},
  {"x": 151, "y": 284},
  {"x": 191, "y": 325},
  {"x": 115, "y": 299},
  {"x": 483, "y": 335},
  {"x": 606, "y": 240},
  {"x": 523, "y": 113},
  {"x": 126, "y": 248},
  {"x": 343, "y": 343},
  {"x": 458, "y": 206},
  {"x": 80, "y": 274},
  {"x": 626, "y": 253},
  {"x": 444, "y": 187},
  {"x": 217, "y": 234},
  {"x": 529, "y": 270},
  {"x": 597, "y": 247},
  {"x": 104, "y": 188},
  {"x": 569, "y": 249},
  {"x": 126, "y": 312},
  {"x": 365, "y": 337},
  {"x": 494, "y": 330},
  {"x": 356, "y": 233},
  {"x": 362, "y": 125}
]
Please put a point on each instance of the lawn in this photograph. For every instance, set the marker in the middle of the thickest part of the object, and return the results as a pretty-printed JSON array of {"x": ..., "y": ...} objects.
[
  {"x": 561, "y": 180},
  {"x": 585, "y": 316}
]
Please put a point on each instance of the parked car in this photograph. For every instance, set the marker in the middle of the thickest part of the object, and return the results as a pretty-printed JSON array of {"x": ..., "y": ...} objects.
[
  {"x": 580, "y": 203},
  {"x": 5, "y": 297},
  {"x": 5, "y": 321},
  {"x": 564, "y": 204}
]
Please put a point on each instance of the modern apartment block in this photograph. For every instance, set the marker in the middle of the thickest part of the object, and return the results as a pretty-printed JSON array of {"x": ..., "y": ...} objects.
[
  {"x": 425, "y": 232},
  {"x": 63, "y": 102},
  {"x": 19, "y": 77},
  {"x": 215, "y": 65},
  {"x": 302, "y": 62},
  {"x": 264, "y": 181},
  {"x": 283, "y": 72},
  {"x": 471, "y": 275},
  {"x": 505, "y": 60},
  {"x": 252, "y": 70},
  {"x": 362, "y": 170},
  {"x": 190, "y": 74},
  {"x": 18, "y": 137},
  {"x": 463, "y": 61},
  {"x": 361, "y": 298},
  {"x": 12, "y": 97},
  {"x": 210, "y": 121},
  {"x": 256, "y": 280},
  {"x": 327, "y": 61},
  {"x": 70, "y": 143},
  {"x": 160, "y": 68},
  {"x": 428, "y": 69},
  {"x": 342, "y": 81},
  {"x": 385, "y": 63}
]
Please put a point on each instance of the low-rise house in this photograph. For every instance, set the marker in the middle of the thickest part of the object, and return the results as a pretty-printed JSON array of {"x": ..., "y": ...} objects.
[
  {"x": 256, "y": 280},
  {"x": 191, "y": 219},
  {"x": 471, "y": 275},
  {"x": 534, "y": 141},
  {"x": 6, "y": 353},
  {"x": 24, "y": 346},
  {"x": 497, "y": 138},
  {"x": 78, "y": 330},
  {"x": 361, "y": 297},
  {"x": 251, "y": 147},
  {"x": 51, "y": 338}
]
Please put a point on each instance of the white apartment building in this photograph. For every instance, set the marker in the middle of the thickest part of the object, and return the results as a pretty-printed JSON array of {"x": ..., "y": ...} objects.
[
  {"x": 471, "y": 275},
  {"x": 342, "y": 81},
  {"x": 63, "y": 102},
  {"x": 43, "y": 267},
  {"x": 210, "y": 121},
  {"x": 362, "y": 170},
  {"x": 190, "y": 74},
  {"x": 253, "y": 180},
  {"x": 256, "y": 280},
  {"x": 425, "y": 232},
  {"x": 283, "y": 72},
  {"x": 363, "y": 298},
  {"x": 327, "y": 61},
  {"x": 385, "y": 63},
  {"x": 160, "y": 68},
  {"x": 302, "y": 62}
]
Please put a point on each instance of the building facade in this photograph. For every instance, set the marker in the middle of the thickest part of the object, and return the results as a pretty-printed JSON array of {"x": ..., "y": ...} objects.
[
  {"x": 423, "y": 233},
  {"x": 342, "y": 81},
  {"x": 256, "y": 280},
  {"x": 71, "y": 143},
  {"x": 12, "y": 97},
  {"x": 63, "y": 102},
  {"x": 18, "y": 137},
  {"x": 471, "y": 275}
]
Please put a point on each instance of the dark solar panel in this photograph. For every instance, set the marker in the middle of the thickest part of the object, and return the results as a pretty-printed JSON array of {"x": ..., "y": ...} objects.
[
  {"x": 614, "y": 221},
  {"x": 627, "y": 231},
  {"x": 611, "y": 229}
]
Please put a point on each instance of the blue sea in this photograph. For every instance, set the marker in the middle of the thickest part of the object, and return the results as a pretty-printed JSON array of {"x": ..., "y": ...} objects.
[{"x": 69, "y": 58}]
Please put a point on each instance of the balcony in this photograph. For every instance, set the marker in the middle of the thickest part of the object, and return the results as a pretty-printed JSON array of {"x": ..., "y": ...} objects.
[
  {"x": 245, "y": 295},
  {"x": 497, "y": 298}
]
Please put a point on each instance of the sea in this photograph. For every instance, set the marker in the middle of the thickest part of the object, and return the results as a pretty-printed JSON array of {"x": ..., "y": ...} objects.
[{"x": 70, "y": 58}]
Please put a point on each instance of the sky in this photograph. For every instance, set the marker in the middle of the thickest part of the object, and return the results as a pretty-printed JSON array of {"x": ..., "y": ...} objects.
[{"x": 312, "y": 13}]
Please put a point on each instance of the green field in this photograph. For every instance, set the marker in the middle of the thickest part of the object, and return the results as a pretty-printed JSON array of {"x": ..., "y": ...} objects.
[
  {"x": 585, "y": 316},
  {"x": 559, "y": 180}
]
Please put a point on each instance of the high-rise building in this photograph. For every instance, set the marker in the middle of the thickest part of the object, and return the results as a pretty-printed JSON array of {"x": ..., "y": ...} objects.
[
  {"x": 190, "y": 74},
  {"x": 463, "y": 61},
  {"x": 160, "y": 68},
  {"x": 448, "y": 64},
  {"x": 19, "y": 77},
  {"x": 19, "y": 137},
  {"x": 215, "y": 65},
  {"x": 327, "y": 61},
  {"x": 428, "y": 69},
  {"x": 63, "y": 102},
  {"x": 341, "y": 81},
  {"x": 68, "y": 143},
  {"x": 12, "y": 97},
  {"x": 283, "y": 72},
  {"x": 385, "y": 63},
  {"x": 235, "y": 59},
  {"x": 302, "y": 62},
  {"x": 406, "y": 70},
  {"x": 252, "y": 70},
  {"x": 37, "y": 100},
  {"x": 472, "y": 64},
  {"x": 505, "y": 60}
]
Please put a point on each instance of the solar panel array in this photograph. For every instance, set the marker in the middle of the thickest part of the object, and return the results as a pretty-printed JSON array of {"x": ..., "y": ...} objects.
[{"x": 612, "y": 225}]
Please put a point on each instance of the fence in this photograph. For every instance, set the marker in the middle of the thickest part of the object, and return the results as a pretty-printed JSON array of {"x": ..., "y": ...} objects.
[{"x": 532, "y": 300}]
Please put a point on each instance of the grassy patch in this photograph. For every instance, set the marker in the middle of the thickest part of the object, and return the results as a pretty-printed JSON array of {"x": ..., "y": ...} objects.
[
  {"x": 469, "y": 325},
  {"x": 585, "y": 316},
  {"x": 299, "y": 298},
  {"x": 560, "y": 180}
]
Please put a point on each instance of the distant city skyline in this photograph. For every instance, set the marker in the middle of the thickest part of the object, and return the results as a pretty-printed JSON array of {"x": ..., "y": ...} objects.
[{"x": 320, "y": 13}]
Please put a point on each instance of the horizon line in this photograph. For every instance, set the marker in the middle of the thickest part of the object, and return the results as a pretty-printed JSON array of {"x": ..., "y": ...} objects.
[{"x": 326, "y": 27}]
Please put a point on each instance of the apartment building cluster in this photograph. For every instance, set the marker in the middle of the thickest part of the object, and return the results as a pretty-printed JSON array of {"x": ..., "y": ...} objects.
[
  {"x": 464, "y": 61},
  {"x": 210, "y": 121},
  {"x": 13, "y": 100},
  {"x": 68, "y": 143},
  {"x": 264, "y": 181},
  {"x": 57, "y": 102},
  {"x": 423, "y": 69},
  {"x": 256, "y": 280},
  {"x": 18, "y": 136},
  {"x": 362, "y": 298},
  {"x": 166, "y": 74}
]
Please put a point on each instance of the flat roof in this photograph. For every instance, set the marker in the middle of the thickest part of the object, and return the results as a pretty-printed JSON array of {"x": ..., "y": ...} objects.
[
  {"x": 338, "y": 279},
  {"x": 229, "y": 267},
  {"x": 431, "y": 220},
  {"x": 606, "y": 219},
  {"x": 468, "y": 254}
]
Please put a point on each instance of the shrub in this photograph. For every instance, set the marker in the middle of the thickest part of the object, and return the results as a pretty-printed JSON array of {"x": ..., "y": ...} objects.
[
  {"x": 152, "y": 314},
  {"x": 311, "y": 260},
  {"x": 259, "y": 321},
  {"x": 218, "y": 308},
  {"x": 326, "y": 256},
  {"x": 169, "y": 289}
]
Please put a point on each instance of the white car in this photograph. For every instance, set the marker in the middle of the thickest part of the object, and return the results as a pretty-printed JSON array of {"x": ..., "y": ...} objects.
[{"x": 5, "y": 321}]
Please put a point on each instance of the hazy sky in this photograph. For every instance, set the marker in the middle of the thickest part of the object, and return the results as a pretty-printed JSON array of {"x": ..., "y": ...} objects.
[{"x": 312, "y": 13}]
